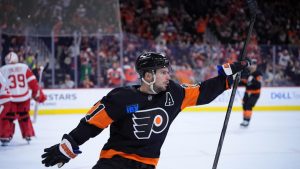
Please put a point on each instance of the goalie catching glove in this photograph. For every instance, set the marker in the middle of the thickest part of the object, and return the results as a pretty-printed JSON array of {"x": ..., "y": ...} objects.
[
  {"x": 231, "y": 69},
  {"x": 61, "y": 153}
]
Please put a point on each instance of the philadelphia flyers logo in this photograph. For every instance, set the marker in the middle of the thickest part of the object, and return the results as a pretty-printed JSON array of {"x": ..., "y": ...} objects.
[{"x": 147, "y": 122}]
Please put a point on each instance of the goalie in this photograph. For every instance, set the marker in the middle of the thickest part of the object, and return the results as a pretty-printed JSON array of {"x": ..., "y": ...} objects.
[{"x": 20, "y": 81}]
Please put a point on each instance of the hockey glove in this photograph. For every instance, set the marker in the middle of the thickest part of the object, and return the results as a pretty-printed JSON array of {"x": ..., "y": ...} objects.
[
  {"x": 231, "y": 69},
  {"x": 61, "y": 153},
  {"x": 40, "y": 97}
]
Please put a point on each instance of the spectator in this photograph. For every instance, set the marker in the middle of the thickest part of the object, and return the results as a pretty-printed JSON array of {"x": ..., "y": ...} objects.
[
  {"x": 68, "y": 83},
  {"x": 115, "y": 75},
  {"x": 131, "y": 77},
  {"x": 87, "y": 83},
  {"x": 284, "y": 59}
]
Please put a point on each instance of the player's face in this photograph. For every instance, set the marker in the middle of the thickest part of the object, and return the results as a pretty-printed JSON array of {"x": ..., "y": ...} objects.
[
  {"x": 253, "y": 67},
  {"x": 162, "y": 79}
]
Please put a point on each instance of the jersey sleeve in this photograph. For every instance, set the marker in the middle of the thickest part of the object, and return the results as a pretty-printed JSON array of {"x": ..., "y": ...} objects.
[
  {"x": 32, "y": 82},
  {"x": 212, "y": 88},
  {"x": 191, "y": 94},
  {"x": 205, "y": 92},
  {"x": 244, "y": 77},
  {"x": 100, "y": 116},
  {"x": 255, "y": 82},
  {"x": 4, "y": 93},
  {"x": 105, "y": 111}
]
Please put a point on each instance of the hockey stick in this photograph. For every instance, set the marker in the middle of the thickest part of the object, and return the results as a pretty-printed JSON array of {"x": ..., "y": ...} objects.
[
  {"x": 36, "y": 106},
  {"x": 252, "y": 5}
]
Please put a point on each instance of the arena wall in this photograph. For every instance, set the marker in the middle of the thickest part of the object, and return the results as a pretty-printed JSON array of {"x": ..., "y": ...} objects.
[{"x": 78, "y": 101}]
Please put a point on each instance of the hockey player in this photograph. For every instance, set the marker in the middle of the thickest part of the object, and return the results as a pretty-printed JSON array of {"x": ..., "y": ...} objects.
[
  {"x": 139, "y": 116},
  {"x": 251, "y": 78},
  {"x": 22, "y": 86},
  {"x": 4, "y": 108}
]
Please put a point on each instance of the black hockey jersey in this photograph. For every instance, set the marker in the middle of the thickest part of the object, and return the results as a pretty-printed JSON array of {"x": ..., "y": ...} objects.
[
  {"x": 252, "y": 81},
  {"x": 139, "y": 122}
]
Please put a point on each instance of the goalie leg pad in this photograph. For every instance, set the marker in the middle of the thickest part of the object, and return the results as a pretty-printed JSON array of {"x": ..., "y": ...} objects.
[
  {"x": 25, "y": 125},
  {"x": 5, "y": 108},
  {"x": 7, "y": 126},
  {"x": 7, "y": 129}
]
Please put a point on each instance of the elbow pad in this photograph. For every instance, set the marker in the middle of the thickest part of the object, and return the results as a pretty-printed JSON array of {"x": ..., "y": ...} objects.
[{"x": 84, "y": 131}]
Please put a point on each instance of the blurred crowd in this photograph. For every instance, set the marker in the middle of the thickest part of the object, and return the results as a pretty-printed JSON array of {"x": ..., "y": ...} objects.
[{"x": 196, "y": 36}]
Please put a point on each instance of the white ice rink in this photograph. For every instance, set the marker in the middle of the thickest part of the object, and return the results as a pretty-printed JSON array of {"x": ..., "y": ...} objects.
[{"x": 272, "y": 141}]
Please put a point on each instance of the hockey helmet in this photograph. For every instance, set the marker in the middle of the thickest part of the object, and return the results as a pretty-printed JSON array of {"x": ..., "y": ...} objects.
[
  {"x": 150, "y": 61},
  {"x": 11, "y": 58},
  {"x": 253, "y": 61}
]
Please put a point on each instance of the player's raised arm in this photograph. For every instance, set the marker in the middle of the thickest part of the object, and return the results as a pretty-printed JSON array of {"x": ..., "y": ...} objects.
[{"x": 213, "y": 87}]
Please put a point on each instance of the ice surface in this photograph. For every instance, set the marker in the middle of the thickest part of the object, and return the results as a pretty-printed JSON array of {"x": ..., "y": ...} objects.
[{"x": 271, "y": 141}]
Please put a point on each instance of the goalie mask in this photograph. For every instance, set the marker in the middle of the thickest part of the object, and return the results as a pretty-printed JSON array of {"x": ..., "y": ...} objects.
[
  {"x": 11, "y": 58},
  {"x": 150, "y": 61}
]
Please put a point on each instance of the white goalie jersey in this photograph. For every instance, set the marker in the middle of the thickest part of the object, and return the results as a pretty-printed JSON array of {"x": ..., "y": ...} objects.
[
  {"x": 4, "y": 93},
  {"x": 19, "y": 79}
]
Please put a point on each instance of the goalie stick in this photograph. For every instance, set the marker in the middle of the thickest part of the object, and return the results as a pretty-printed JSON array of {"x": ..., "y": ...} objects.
[
  {"x": 252, "y": 5},
  {"x": 36, "y": 106}
]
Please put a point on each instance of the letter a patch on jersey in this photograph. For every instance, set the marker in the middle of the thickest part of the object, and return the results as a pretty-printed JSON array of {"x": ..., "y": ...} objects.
[{"x": 169, "y": 99}]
